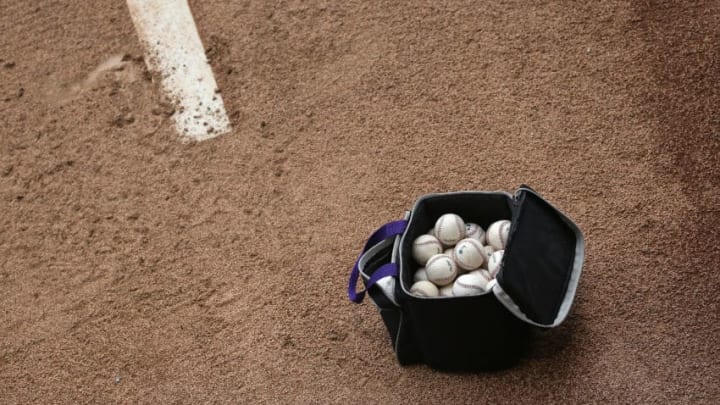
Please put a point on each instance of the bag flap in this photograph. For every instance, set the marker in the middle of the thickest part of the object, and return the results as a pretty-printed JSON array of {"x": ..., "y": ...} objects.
[{"x": 542, "y": 262}]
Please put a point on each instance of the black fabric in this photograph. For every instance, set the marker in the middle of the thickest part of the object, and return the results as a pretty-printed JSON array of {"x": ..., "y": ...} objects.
[
  {"x": 400, "y": 329},
  {"x": 398, "y": 324},
  {"x": 467, "y": 333},
  {"x": 538, "y": 259},
  {"x": 462, "y": 333}
]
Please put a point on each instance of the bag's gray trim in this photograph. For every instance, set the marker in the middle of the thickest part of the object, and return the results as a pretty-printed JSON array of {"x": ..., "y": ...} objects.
[
  {"x": 566, "y": 304},
  {"x": 386, "y": 284},
  {"x": 396, "y": 245}
]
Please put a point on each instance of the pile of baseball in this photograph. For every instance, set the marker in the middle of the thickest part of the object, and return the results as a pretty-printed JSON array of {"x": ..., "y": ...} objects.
[{"x": 458, "y": 258}]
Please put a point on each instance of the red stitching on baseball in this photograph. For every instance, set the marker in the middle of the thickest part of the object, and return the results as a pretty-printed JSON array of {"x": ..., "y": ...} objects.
[
  {"x": 459, "y": 260},
  {"x": 437, "y": 257},
  {"x": 430, "y": 242},
  {"x": 446, "y": 281},
  {"x": 431, "y": 260},
  {"x": 460, "y": 225},
  {"x": 487, "y": 277},
  {"x": 470, "y": 286}
]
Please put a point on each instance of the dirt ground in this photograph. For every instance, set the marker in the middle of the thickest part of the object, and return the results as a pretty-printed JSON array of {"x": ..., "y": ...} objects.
[{"x": 137, "y": 268}]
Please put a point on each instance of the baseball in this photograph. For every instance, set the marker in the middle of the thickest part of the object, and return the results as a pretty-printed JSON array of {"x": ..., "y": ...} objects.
[
  {"x": 474, "y": 231},
  {"x": 494, "y": 262},
  {"x": 446, "y": 291},
  {"x": 424, "y": 289},
  {"x": 449, "y": 229},
  {"x": 420, "y": 275},
  {"x": 497, "y": 234},
  {"x": 469, "y": 284},
  {"x": 423, "y": 247},
  {"x": 441, "y": 269},
  {"x": 469, "y": 254},
  {"x": 484, "y": 273},
  {"x": 487, "y": 252}
]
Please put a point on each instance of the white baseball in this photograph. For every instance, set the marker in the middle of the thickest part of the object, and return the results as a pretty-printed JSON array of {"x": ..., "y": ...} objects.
[
  {"x": 451, "y": 252},
  {"x": 469, "y": 254},
  {"x": 449, "y": 229},
  {"x": 487, "y": 252},
  {"x": 497, "y": 234},
  {"x": 423, "y": 247},
  {"x": 446, "y": 291},
  {"x": 469, "y": 284},
  {"x": 475, "y": 231},
  {"x": 441, "y": 269},
  {"x": 424, "y": 289},
  {"x": 494, "y": 262},
  {"x": 484, "y": 273},
  {"x": 420, "y": 275}
]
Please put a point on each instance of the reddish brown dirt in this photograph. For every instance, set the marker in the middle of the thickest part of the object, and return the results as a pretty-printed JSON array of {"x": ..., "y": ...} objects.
[{"x": 138, "y": 268}]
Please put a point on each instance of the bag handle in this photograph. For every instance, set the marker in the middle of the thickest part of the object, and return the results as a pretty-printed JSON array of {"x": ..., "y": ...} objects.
[{"x": 389, "y": 230}]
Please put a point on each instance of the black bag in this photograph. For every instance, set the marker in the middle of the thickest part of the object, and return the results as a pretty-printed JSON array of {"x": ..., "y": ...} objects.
[{"x": 535, "y": 287}]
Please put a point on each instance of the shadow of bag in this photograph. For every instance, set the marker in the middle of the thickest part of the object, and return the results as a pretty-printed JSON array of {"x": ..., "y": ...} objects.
[{"x": 534, "y": 288}]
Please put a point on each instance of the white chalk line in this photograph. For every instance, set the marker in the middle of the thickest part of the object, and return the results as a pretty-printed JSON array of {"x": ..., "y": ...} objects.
[{"x": 174, "y": 50}]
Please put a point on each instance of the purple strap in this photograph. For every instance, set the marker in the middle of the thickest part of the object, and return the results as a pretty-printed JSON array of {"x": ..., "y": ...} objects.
[{"x": 389, "y": 230}]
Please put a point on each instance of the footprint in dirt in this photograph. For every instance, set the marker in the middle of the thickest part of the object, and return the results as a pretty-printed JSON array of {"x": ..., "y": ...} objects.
[{"x": 121, "y": 68}]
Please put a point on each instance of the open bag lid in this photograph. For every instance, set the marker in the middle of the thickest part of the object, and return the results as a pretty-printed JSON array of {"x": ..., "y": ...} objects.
[{"x": 542, "y": 262}]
